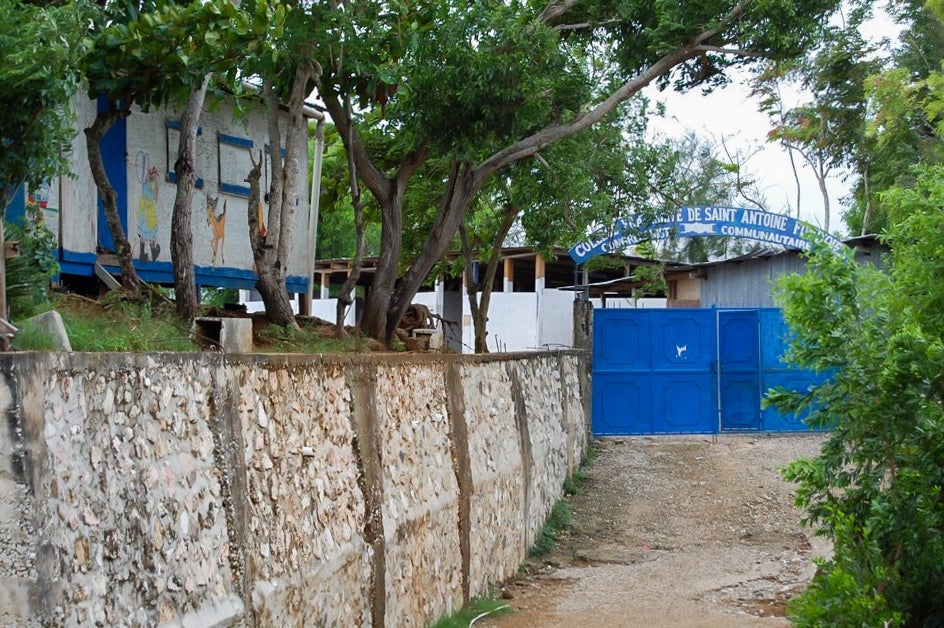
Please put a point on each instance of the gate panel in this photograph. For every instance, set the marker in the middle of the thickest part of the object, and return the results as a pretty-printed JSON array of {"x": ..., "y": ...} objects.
[
  {"x": 682, "y": 371},
  {"x": 677, "y": 371},
  {"x": 621, "y": 376},
  {"x": 652, "y": 371},
  {"x": 739, "y": 370},
  {"x": 775, "y": 373}
]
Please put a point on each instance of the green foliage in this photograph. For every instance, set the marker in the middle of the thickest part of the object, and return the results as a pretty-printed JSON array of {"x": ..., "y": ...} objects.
[
  {"x": 876, "y": 488},
  {"x": 557, "y": 522},
  {"x": 154, "y": 53},
  {"x": 117, "y": 325},
  {"x": 219, "y": 297},
  {"x": 29, "y": 275},
  {"x": 476, "y": 608},
  {"x": 559, "y": 519},
  {"x": 902, "y": 112},
  {"x": 653, "y": 280},
  {"x": 486, "y": 75},
  {"x": 39, "y": 54},
  {"x": 32, "y": 338},
  {"x": 337, "y": 237}
]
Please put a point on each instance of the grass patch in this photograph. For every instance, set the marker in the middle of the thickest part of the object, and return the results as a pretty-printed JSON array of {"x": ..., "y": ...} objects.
[
  {"x": 308, "y": 339},
  {"x": 32, "y": 338},
  {"x": 464, "y": 617},
  {"x": 558, "y": 521},
  {"x": 113, "y": 324},
  {"x": 573, "y": 481}
]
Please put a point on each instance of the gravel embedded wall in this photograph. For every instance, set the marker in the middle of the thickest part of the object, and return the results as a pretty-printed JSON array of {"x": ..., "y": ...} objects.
[{"x": 201, "y": 489}]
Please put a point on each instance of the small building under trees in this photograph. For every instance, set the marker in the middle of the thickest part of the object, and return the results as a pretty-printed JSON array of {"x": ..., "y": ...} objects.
[
  {"x": 139, "y": 154},
  {"x": 748, "y": 280}
]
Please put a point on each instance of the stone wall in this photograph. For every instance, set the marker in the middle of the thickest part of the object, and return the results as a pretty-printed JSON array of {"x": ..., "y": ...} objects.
[{"x": 208, "y": 489}]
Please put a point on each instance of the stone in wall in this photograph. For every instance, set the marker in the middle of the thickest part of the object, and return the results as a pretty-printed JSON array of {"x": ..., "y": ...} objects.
[
  {"x": 193, "y": 490},
  {"x": 306, "y": 554},
  {"x": 17, "y": 529},
  {"x": 420, "y": 495},
  {"x": 574, "y": 421},
  {"x": 497, "y": 532},
  {"x": 540, "y": 385},
  {"x": 134, "y": 529}
]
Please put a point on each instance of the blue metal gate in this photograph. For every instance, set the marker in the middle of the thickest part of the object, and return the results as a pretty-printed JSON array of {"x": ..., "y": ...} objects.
[
  {"x": 690, "y": 371},
  {"x": 653, "y": 371}
]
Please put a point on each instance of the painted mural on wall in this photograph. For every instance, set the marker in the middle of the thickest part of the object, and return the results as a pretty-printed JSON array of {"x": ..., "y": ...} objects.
[
  {"x": 217, "y": 222},
  {"x": 146, "y": 186},
  {"x": 148, "y": 222}
]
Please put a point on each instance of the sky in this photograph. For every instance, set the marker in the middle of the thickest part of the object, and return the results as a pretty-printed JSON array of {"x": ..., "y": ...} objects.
[{"x": 730, "y": 114}]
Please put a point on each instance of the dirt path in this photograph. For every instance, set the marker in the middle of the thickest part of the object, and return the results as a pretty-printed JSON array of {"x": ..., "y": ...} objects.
[{"x": 675, "y": 532}]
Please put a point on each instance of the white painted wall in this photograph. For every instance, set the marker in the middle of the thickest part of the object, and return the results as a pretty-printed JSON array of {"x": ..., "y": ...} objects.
[
  {"x": 557, "y": 320},
  {"x": 78, "y": 197},
  {"x": 328, "y": 310},
  {"x": 150, "y": 152},
  {"x": 630, "y": 303},
  {"x": 512, "y": 323},
  {"x": 259, "y": 306}
]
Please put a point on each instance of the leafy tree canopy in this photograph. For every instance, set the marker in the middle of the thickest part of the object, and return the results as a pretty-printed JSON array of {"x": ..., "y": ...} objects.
[{"x": 40, "y": 49}]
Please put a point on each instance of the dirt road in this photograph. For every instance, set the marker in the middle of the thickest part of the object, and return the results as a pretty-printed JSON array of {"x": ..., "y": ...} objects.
[{"x": 675, "y": 532}]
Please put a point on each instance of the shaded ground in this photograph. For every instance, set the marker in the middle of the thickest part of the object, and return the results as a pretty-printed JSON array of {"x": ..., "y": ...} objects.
[{"x": 675, "y": 532}]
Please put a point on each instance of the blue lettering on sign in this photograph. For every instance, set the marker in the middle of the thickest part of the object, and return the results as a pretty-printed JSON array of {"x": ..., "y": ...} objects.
[{"x": 738, "y": 222}]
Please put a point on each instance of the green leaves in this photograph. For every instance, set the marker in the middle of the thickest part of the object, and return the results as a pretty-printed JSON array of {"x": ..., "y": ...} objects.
[
  {"x": 40, "y": 48},
  {"x": 155, "y": 55},
  {"x": 876, "y": 488}
]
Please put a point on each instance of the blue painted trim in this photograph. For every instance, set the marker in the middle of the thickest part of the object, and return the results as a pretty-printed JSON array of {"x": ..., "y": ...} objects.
[
  {"x": 72, "y": 268},
  {"x": 175, "y": 124},
  {"x": 233, "y": 140},
  {"x": 114, "y": 154},
  {"x": 16, "y": 210},
  {"x": 282, "y": 151},
  {"x": 172, "y": 178},
  {"x": 83, "y": 264},
  {"x": 78, "y": 257},
  {"x": 234, "y": 190}
]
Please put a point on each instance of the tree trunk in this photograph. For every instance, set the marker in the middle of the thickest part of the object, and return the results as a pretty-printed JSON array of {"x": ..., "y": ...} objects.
[
  {"x": 479, "y": 306},
  {"x": 271, "y": 256},
  {"x": 868, "y": 204},
  {"x": 821, "y": 173},
  {"x": 270, "y": 286},
  {"x": 463, "y": 188},
  {"x": 345, "y": 298},
  {"x": 388, "y": 191},
  {"x": 377, "y": 305},
  {"x": 130, "y": 282},
  {"x": 181, "y": 235}
]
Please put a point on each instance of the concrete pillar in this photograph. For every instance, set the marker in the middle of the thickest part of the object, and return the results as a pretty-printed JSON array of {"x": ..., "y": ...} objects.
[
  {"x": 440, "y": 296},
  {"x": 509, "y": 274},
  {"x": 325, "y": 285},
  {"x": 540, "y": 269}
]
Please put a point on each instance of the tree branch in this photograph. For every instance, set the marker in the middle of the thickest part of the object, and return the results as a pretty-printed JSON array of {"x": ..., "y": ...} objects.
[{"x": 556, "y": 9}]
